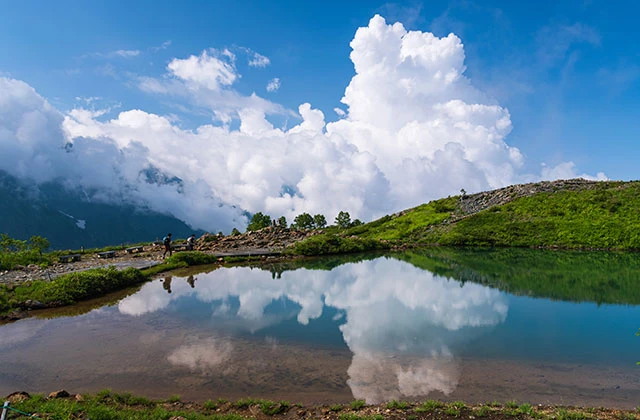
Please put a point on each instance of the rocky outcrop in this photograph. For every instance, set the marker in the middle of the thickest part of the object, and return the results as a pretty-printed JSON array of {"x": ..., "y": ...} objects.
[
  {"x": 272, "y": 238},
  {"x": 474, "y": 203}
]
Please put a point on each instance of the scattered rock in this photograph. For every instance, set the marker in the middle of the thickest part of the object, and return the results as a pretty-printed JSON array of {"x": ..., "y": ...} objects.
[
  {"x": 17, "y": 397},
  {"x": 59, "y": 394},
  {"x": 34, "y": 304}
]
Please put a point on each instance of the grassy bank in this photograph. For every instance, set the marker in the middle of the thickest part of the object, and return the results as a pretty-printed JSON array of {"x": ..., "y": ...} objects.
[
  {"x": 601, "y": 216},
  {"x": 79, "y": 286},
  {"x": 107, "y": 405}
]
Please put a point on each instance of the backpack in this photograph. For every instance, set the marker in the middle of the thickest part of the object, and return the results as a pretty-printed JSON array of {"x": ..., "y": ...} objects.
[{"x": 166, "y": 240}]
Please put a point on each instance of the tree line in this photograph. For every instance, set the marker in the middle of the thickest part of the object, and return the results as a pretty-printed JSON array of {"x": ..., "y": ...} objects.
[{"x": 304, "y": 221}]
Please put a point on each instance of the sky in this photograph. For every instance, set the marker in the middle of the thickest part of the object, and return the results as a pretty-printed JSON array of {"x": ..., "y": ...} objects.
[{"x": 208, "y": 110}]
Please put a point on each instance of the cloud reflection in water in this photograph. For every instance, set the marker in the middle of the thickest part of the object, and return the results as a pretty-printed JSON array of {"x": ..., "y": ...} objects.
[{"x": 400, "y": 321}]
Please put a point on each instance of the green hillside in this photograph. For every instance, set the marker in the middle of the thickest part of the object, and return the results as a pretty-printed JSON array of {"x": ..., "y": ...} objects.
[{"x": 574, "y": 214}]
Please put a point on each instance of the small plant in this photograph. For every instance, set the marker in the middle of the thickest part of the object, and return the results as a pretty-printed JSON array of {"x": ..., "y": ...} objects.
[
  {"x": 174, "y": 399},
  {"x": 402, "y": 405},
  {"x": 511, "y": 404},
  {"x": 271, "y": 408},
  {"x": 525, "y": 409},
  {"x": 452, "y": 411},
  {"x": 358, "y": 404},
  {"x": 245, "y": 402},
  {"x": 336, "y": 407},
  {"x": 210, "y": 405},
  {"x": 482, "y": 411},
  {"x": 429, "y": 405}
]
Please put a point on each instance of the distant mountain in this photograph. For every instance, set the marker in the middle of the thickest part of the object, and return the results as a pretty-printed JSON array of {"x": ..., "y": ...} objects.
[{"x": 74, "y": 219}]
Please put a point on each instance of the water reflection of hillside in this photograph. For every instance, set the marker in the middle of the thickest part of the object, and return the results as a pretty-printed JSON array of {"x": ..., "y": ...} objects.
[{"x": 579, "y": 276}]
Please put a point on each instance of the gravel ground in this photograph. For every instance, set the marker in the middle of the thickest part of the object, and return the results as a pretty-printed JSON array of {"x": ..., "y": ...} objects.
[{"x": 148, "y": 257}]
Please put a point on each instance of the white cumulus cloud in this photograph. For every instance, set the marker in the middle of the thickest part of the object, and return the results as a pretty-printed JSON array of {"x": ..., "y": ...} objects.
[{"x": 414, "y": 129}]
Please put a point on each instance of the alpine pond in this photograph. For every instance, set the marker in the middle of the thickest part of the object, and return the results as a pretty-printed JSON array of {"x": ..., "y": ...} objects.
[{"x": 479, "y": 325}]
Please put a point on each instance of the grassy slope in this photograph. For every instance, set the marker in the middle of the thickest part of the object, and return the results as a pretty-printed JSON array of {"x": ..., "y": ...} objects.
[{"x": 606, "y": 216}]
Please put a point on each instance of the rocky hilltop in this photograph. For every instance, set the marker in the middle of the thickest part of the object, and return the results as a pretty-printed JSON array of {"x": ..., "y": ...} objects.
[{"x": 474, "y": 203}]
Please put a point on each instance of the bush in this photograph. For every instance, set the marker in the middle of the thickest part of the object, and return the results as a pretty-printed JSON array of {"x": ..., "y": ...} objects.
[
  {"x": 333, "y": 244},
  {"x": 192, "y": 258}
]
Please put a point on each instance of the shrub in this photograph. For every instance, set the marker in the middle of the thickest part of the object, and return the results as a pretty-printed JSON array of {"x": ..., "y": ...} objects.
[{"x": 333, "y": 244}]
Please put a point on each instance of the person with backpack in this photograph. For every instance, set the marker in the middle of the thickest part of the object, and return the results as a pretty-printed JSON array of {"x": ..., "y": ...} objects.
[
  {"x": 191, "y": 240},
  {"x": 166, "y": 241}
]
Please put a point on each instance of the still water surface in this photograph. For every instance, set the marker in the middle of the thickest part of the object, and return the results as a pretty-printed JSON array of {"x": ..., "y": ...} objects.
[{"x": 475, "y": 325}]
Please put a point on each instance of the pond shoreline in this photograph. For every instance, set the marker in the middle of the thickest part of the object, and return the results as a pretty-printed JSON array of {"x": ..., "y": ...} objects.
[{"x": 109, "y": 404}]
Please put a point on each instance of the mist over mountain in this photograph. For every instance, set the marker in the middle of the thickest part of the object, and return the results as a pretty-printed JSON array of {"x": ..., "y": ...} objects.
[{"x": 74, "y": 218}]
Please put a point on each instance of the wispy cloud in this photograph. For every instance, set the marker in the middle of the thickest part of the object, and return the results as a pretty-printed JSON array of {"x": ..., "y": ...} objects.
[
  {"x": 556, "y": 42},
  {"x": 273, "y": 85},
  {"x": 255, "y": 59},
  {"x": 166, "y": 44},
  {"x": 114, "y": 54}
]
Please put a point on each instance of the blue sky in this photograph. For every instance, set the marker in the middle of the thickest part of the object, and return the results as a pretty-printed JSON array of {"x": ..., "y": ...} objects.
[{"x": 568, "y": 72}]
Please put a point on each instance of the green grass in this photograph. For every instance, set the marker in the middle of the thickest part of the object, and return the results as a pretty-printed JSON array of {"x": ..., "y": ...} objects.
[
  {"x": 603, "y": 217},
  {"x": 210, "y": 405},
  {"x": 357, "y": 404},
  {"x": 70, "y": 288},
  {"x": 107, "y": 404},
  {"x": 379, "y": 234},
  {"x": 75, "y": 287},
  {"x": 428, "y": 406},
  {"x": 354, "y": 416},
  {"x": 401, "y": 405},
  {"x": 174, "y": 399},
  {"x": 482, "y": 411}
]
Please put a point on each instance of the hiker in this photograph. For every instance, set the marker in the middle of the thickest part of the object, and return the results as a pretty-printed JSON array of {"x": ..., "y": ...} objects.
[
  {"x": 167, "y": 245},
  {"x": 191, "y": 240}
]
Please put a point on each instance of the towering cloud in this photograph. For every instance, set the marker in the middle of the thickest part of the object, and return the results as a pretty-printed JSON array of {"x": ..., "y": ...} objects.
[{"x": 415, "y": 129}]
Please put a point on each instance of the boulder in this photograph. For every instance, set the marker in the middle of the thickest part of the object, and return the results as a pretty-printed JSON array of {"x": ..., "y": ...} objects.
[{"x": 17, "y": 397}]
